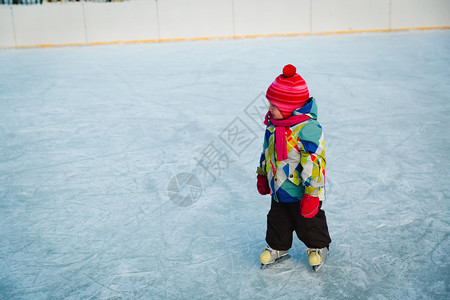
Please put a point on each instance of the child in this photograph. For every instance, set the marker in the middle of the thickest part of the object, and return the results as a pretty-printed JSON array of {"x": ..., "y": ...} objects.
[{"x": 292, "y": 170}]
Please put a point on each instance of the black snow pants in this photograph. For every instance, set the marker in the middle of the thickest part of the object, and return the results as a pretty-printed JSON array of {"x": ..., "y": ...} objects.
[{"x": 285, "y": 218}]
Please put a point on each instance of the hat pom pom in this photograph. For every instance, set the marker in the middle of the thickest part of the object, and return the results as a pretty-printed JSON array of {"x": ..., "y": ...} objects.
[{"x": 289, "y": 71}]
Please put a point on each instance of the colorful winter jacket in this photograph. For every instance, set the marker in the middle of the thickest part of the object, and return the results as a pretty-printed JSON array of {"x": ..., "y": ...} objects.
[{"x": 303, "y": 172}]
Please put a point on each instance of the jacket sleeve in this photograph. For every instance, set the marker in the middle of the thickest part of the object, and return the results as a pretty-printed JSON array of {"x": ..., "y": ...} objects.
[
  {"x": 312, "y": 158},
  {"x": 261, "y": 169}
]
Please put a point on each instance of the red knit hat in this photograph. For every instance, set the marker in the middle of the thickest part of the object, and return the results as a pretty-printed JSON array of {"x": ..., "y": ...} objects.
[{"x": 288, "y": 92}]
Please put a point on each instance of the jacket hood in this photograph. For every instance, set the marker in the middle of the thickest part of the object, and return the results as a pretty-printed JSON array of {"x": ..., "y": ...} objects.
[{"x": 310, "y": 109}]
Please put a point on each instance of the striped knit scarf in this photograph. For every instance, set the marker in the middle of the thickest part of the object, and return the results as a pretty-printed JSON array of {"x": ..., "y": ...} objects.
[{"x": 280, "y": 131}]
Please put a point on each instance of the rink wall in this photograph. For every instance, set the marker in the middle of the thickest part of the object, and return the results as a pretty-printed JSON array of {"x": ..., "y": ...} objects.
[{"x": 81, "y": 23}]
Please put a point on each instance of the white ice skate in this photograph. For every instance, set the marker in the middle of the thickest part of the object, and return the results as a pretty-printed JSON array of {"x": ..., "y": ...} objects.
[
  {"x": 316, "y": 257},
  {"x": 269, "y": 256}
]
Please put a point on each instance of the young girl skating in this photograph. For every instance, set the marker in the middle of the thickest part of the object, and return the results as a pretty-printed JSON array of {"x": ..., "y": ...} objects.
[{"x": 292, "y": 171}]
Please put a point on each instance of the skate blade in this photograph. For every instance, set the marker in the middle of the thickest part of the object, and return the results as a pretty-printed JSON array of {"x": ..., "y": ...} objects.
[
  {"x": 265, "y": 266},
  {"x": 317, "y": 268}
]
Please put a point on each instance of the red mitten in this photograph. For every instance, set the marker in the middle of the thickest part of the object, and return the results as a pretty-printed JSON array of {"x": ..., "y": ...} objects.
[
  {"x": 262, "y": 185},
  {"x": 309, "y": 206}
]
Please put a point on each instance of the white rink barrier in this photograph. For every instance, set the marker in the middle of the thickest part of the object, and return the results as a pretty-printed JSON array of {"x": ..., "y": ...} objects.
[{"x": 83, "y": 23}]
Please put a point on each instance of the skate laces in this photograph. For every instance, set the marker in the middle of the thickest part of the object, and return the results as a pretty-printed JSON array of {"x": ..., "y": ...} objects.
[
  {"x": 269, "y": 255},
  {"x": 273, "y": 253},
  {"x": 318, "y": 251},
  {"x": 314, "y": 256},
  {"x": 277, "y": 253}
]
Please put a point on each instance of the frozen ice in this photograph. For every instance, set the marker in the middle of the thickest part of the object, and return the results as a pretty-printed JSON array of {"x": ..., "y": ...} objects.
[{"x": 91, "y": 137}]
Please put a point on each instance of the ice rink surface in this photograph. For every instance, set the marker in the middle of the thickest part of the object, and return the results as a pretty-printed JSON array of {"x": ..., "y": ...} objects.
[{"x": 128, "y": 171}]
